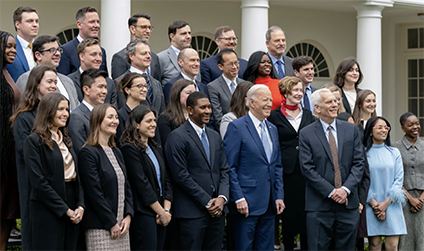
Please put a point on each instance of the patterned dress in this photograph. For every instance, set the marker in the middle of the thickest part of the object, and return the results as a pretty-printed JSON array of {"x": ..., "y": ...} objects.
[{"x": 99, "y": 239}]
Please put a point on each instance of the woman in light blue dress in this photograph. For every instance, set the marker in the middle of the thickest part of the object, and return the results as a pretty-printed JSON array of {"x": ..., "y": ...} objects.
[{"x": 385, "y": 196}]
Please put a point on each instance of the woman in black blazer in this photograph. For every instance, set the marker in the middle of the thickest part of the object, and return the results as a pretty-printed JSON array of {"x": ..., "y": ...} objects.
[
  {"x": 57, "y": 198},
  {"x": 149, "y": 180},
  {"x": 108, "y": 194},
  {"x": 289, "y": 119}
]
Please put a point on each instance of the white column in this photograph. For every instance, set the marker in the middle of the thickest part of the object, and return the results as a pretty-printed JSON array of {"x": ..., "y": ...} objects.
[
  {"x": 114, "y": 34},
  {"x": 368, "y": 48},
  {"x": 254, "y": 24}
]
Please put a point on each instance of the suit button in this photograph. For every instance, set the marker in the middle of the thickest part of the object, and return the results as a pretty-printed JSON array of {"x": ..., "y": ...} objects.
[
  {"x": 211, "y": 186},
  {"x": 297, "y": 147},
  {"x": 297, "y": 137}
]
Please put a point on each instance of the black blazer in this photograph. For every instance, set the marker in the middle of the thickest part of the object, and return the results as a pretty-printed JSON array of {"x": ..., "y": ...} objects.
[
  {"x": 166, "y": 126},
  {"x": 196, "y": 179},
  {"x": 346, "y": 102},
  {"x": 289, "y": 138},
  {"x": 101, "y": 188},
  {"x": 143, "y": 178}
]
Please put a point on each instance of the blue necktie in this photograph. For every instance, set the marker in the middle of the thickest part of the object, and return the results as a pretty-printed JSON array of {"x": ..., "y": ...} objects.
[
  {"x": 280, "y": 69},
  {"x": 206, "y": 146},
  {"x": 149, "y": 89},
  {"x": 306, "y": 103},
  {"x": 265, "y": 141},
  {"x": 232, "y": 87}
]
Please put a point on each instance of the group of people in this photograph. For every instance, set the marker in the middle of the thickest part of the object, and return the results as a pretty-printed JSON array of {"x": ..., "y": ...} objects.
[{"x": 173, "y": 151}]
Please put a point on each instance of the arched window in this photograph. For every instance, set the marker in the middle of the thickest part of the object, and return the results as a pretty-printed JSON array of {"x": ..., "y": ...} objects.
[
  {"x": 307, "y": 49},
  {"x": 67, "y": 35},
  {"x": 205, "y": 46}
]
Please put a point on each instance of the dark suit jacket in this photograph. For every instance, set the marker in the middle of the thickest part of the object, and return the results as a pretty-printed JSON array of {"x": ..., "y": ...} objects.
[
  {"x": 101, "y": 188},
  {"x": 196, "y": 181},
  {"x": 20, "y": 65},
  {"x": 209, "y": 70},
  {"x": 70, "y": 62},
  {"x": 111, "y": 88},
  {"x": 143, "y": 178},
  {"x": 120, "y": 65},
  {"x": 220, "y": 96},
  {"x": 317, "y": 166},
  {"x": 79, "y": 126},
  {"x": 167, "y": 88},
  {"x": 289, "y": 138},
  {"x": 251, "y": 175},
  {"x": 288, "y": 67},
  {"x": 346, "y": 102}
]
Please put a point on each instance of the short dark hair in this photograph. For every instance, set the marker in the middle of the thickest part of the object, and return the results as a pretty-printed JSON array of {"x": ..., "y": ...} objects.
[
  {"x": 404, "y": 117},
  {"x": 39, "y": 42},
  {"x": 219, "y": 56},
  {"x": 172, "y": 28},
  {"x": 89, "y": 76},
  {"x": 220, "y": 30},
  {"x": 192, "y": 99},
  {"x": 17, "y": 14},
  {"x": 86, "y": 43},
  {"x": 131, "y": 47},
  {"x": 81, "y": 12},
  {"x": 301, "y": 61},
  {"x": 134, "y": 19}
]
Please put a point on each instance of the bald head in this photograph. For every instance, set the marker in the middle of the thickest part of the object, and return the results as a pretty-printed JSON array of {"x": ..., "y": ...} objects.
[{"x": 189, "y": 61}]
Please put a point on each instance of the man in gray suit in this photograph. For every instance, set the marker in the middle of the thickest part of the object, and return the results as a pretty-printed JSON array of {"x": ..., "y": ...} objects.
[
  {"x": 46, "y": 51},
  {"x": 303, "y": 67},
  {"x": 139, "y": 57},
  {"x": 276, "y": 43},
  {"x": 140, "y": 27},
  {"x": 222, "y": 88},
  {"x": 179, "y": 33},
  {"x": 94, "y": 86}
]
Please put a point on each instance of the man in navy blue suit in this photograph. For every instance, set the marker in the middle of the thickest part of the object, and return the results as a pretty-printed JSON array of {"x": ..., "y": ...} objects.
[
  {"x": 225, "y": 37},
  {"x": 256, "y": 174},
  {"x": 25, "y": 20},
  {"x": 88, "y": 23},
  {"x": 332, "y": 162}
]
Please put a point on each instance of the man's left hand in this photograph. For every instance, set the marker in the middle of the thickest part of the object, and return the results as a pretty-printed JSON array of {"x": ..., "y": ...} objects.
[
  {"x": 280, "y": 206},
  {"x": 216, "y": 207},
  {"x": 339, "y": 195}
]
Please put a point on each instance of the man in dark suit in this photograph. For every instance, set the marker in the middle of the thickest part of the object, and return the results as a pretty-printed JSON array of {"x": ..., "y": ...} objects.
[
  {"x": 25, "y": 20},
  {"x": 47, "y": 52},
  {"x": 138, "y": 55},
  {"x": 222, "y": 88},
  {"x": 140, "y": 27},
  {"x": 188, "y": 60},
  {"x": 179, "y": 34},
  {"x": 276, "y": 43},
  {"x": 88, "y": 23},
  {"x": 90, "y": 56},
  {"x": 332, "y": 162},
  {"x": 200, "y": 171},
  {"x": 303, "y": 68},
  {"x": 256, "y": 175},
  {"x": 225, "y": 37},
  {"x": 94, "y": 87}
]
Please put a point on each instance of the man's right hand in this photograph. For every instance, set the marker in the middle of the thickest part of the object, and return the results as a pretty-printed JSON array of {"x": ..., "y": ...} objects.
[{"x": 243, "y": 207}]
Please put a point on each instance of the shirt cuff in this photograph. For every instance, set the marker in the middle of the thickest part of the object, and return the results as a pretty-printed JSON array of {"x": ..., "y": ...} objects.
[
  {"x": 225, "y": 198},
  {"x": 239, "y": 200},
  {"x": 207, "y": 205},
  {"x": 329, "y": 196},
  {"x": 346, "y": 189}
]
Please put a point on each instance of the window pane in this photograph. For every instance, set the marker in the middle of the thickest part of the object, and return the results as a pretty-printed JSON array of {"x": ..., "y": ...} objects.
[
  {"x": 325, "y": 73},
  {"x": 421, "y": 68},
  {"x": 421, "y": 108},
  {"x": 412, "y": 68},
  {"x": 421, "y": 37},
  {"x": 413, "y": 88},
  {"x": 413, "y": 106},
  {"x": 421, "y": 90},
  {"x": 305, "y": 49},
  {"x": 299, "y": 49},
  {"x": 412, "y": 38}
]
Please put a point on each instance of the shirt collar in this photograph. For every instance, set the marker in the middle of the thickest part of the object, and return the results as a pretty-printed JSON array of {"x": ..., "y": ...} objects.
[
  {"x": 90, "y": 107},
  {"x": 256, "y": 121},
  {"x": 198, "y": 129},
  {"x": 325, "y": 125},
  {"x": 187, "y": 77},
  {"x": 419, "y": 144},
  {"x": 80, "y": 39},
  {"x": 80, "y": 70},
  {"x": 176, "y": 50},
  {"x": 274, "y": 60},
  {"x": 308, "y": 86},
  {"x": 228, "y": 81},
  {"x": 23, "y": 42},
  {"x": 133, "y": 69}
]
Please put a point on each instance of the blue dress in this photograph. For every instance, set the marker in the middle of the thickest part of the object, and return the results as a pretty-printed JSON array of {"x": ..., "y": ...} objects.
[{"x": 386, "y": 172}]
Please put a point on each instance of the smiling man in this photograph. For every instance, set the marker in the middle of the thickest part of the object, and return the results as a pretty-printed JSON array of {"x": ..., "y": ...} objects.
[
  {"x": 303, "y": 68},
  {"x": 332, "y": 162},
  {"x": 276, "y": 44},
  {"x": 88, "y": 23}
]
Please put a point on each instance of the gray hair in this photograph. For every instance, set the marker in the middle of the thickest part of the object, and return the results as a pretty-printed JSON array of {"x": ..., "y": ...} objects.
[
  {"x": 271, "y": 30},
  {"x": 316, "y": 96},
  {"x": 131, "y": 47},
  {"x": 251, "y": 94}
]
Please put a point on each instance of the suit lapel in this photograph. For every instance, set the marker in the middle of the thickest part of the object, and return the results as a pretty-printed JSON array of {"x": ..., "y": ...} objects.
[
  {"x": 274, "y": 147},
  {"x": 193, "y": 135},
  {"x": 85, "y": 111},
  {"x": 21, "y": 54},
  {"x": 173, "y": 58},
  {"x": 321, "y": 136},
  {"x": 340, "y": 139},
  {"x": 211, "y": 147},
  {"x": 224, "y": 87},
  {"x": 285, "y": 121},
  {"x": 252, "y": 130}
]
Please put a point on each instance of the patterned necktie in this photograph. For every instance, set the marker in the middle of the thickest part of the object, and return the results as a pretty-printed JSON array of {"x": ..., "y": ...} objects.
[
  {"x": 306, "y": 103},
  {"x": 280, "y": 69},
  {"x": 265, "y": 141},
  {"x": 149, "y": 89},
  {"x": 206, "y": 146},
  {"x": 232, "y": 87},
  {"x": 334, "y": 154}
]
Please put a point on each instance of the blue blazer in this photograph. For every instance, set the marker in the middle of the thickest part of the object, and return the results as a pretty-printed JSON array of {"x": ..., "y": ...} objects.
[
  {"x": 209, "y": 70},
  {"x": 317, "y": 166},
  {"x": 70, "y": 62},
  {"x": 251, "y": 175},
  {"x": 167, "y": 87},
  {"x": 20, "y": 65}
]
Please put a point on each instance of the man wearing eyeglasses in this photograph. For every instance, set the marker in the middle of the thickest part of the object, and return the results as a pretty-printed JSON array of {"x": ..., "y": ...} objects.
[
  {"x": 221, "y": 89},
  {"x": 140, "y": 27},
  {"x": 225, "y": 37},
  {"x": 47, "y": 52},
  {"x": 88, "y": 23}
]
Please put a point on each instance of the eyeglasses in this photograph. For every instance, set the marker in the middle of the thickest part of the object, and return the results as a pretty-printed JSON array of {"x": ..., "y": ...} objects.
[
  {"x": 382, "y": 127},
  {"x": 144, "y": 27},
  {"x": 53, "y": 50},
  {"x": 141, "y": 86},
  {"x": 231, "y": 64},
  {"x": 228, "y": 39}
]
